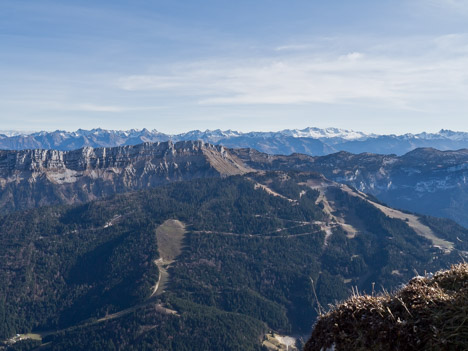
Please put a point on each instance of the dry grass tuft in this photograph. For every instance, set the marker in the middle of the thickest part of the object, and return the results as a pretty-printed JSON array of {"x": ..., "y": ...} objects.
[{"x": 429, "y": 313}]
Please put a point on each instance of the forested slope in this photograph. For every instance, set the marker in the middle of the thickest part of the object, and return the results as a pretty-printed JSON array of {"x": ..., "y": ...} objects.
[{"x": 256, "y": 246}]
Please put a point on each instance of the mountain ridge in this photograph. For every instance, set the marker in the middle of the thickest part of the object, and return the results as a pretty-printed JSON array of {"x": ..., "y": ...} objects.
[
  {"x": 426, "y": 180},
  {"x": 312, "y": 141},
  {"x": 31, "y": 178}
]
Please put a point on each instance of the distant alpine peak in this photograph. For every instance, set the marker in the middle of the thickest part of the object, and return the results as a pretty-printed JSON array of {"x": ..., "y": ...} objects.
[
  {"x": 309, "y": 132},
  {"x": 312, "y": 140},
  {"x": 208, "y": 135},
  {"x": 452, "y": 135},
  {"x": 12, "y": 133},
  {"x": 319, "y": 133},
  {"x": 441, "y": 134}
]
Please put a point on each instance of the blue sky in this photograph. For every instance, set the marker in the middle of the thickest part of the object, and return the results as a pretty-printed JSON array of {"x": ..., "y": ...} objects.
[{"x": 174, "y": 65}]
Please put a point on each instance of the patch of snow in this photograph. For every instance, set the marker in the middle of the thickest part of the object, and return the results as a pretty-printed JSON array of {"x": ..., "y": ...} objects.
[
  {"x": 458, "y": 167},
  {"x": 13, "y": 133},
  {"x": 318, "y": 133},
  {"x": 331, "y": 348},
  {"x": 63, "y": 177},
  {"x": 434, "y": 185},
  {"x": 411, "y": 171},
  {"x": 287, "y": 341}
]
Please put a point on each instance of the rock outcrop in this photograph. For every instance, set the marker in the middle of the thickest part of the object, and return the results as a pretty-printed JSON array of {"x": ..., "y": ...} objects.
[{"x": 430, "y": 313}]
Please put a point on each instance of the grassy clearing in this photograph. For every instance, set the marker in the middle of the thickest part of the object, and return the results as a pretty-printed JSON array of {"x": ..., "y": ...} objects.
[
  {"x": 169, "y": 236},
  {"x": 31, "y": 336}
]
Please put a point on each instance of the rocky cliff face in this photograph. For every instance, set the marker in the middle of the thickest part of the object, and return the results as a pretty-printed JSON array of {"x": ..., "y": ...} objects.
[
  {"x": 425, "y": 180},
  {"x": 31, "y": 178}
]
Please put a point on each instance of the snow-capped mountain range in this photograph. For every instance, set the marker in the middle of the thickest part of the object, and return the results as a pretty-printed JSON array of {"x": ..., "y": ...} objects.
[{"x": 312, "y": 141}]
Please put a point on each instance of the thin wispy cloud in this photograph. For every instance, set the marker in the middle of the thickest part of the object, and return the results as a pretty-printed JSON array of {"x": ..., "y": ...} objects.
[
  {"x": 98, "y": 108},
  {"x": 293, "y": 47},
  {"x": 88, "y": 107},
  {"x": 458, "y": 5},
  {"x": 404, "y": 81}
]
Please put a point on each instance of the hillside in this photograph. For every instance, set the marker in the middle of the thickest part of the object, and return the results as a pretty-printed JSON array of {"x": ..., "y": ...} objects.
[
  {"x": 429, "y": 313},
  {"x": 248, "y": 253},
  {"x": 425, "y": 181}
]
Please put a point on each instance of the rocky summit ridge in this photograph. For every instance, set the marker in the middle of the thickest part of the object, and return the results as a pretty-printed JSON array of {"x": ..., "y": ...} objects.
[{"x": 30, "y": 178}]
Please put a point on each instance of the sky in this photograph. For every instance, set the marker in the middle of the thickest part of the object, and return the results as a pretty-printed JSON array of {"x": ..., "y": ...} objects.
[{"x": 387, "y": 66}]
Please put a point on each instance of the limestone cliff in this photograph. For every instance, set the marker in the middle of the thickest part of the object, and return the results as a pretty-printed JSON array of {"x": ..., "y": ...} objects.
[{"x": 30, "y": 178}]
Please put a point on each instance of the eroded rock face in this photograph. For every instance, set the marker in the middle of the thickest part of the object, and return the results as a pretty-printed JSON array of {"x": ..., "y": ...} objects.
[{"x": 30, "y": 178}]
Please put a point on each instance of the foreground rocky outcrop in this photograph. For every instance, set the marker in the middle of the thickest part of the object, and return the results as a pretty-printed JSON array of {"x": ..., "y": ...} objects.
[{"x": 430, "y": 313}]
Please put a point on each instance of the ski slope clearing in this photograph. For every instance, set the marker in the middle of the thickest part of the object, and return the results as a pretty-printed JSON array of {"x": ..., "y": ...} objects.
[
  {"x": 169, "y": 236},
  {"x": 412, "y": 221}
]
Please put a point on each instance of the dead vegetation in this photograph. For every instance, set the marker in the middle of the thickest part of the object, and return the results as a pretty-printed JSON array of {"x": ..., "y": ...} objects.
[{"x": 429, "y": 313}]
